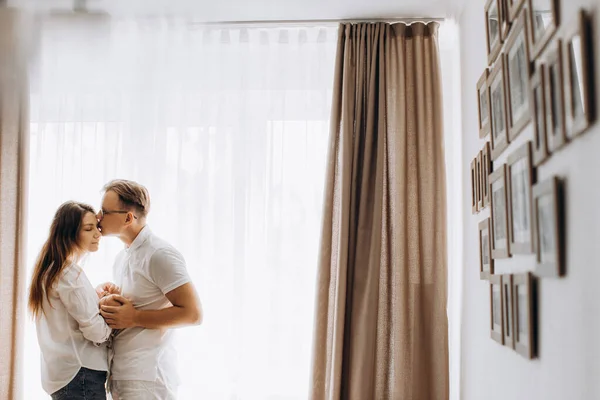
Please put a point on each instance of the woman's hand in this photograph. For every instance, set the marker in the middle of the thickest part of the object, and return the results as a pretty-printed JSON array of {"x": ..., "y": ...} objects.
[
  {"x": 107, "y": 288},
  {"x": 109, "y": 300}
]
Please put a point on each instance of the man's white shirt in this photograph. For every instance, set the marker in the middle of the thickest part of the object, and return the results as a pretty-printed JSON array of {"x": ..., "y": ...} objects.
[{"x": 146, "y": 271}]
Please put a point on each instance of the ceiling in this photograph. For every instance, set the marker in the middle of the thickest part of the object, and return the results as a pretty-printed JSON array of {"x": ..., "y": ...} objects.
[{"x": 262, "y": 10}]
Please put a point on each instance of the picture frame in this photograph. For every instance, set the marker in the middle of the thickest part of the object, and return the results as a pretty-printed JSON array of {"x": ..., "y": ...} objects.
[
  {"x": 514, "y": 7},
  {"x": 483, "y": 105},
  {"x": 496, "y": 314},
  {"x": 555, "y": 110},
  {"x": 480, "y": 179},
  {"x": 507, "y": 311},
  {"x": 579, "y": 86},
  {"x": 486, "y": 169},
  {"x": 499, "y": 214},
  {"x": 548, "y": 220},
  {"x": 520, "y": 178},
  {"x": 474, "y": 188},
  {"x": 518, "y": 71},
  {"x": 498, "y": 112},
  {"x": 544, "y": 19},
  {"x": 525, "y": 314},
  {"x": 537, "y": 99},
  {"x": 492, "y": 29},
  {"x": 486, "y": 262},
  {"x": 505, "y": 21}
]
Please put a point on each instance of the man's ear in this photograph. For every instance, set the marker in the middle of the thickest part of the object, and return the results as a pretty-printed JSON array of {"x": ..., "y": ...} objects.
[{"x": 129, "y": 218}]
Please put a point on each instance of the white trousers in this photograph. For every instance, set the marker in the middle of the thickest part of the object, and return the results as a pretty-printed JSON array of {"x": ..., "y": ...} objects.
[{"x": 142, "y": 390}]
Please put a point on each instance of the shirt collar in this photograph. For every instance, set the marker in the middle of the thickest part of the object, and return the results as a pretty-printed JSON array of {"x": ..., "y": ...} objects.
[{"x": 139, "y": 239}]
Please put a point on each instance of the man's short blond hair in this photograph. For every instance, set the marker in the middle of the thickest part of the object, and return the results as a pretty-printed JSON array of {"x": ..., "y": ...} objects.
[{"x": 132, "y": 195}]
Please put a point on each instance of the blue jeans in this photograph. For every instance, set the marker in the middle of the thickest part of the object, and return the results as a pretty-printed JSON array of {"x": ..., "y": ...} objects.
[{"x": 87, "y": 384}]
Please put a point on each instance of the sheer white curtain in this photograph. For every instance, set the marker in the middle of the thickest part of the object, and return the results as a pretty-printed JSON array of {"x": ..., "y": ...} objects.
[{"x": 227, "y": 127}]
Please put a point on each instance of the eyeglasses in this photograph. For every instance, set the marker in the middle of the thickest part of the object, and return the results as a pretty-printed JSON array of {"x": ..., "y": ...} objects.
[{"x": 103, "y": 213}]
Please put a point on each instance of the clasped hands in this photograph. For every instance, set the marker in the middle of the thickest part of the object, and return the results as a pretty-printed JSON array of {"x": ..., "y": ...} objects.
[{"x": 117, "y": 311}]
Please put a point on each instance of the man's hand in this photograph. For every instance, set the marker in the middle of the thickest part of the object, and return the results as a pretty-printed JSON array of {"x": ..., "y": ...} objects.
[
  {"x": 107, "y": 288},
  {"x": 122, "y": 316}
]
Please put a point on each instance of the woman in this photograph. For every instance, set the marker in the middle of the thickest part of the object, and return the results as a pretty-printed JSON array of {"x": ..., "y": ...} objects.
[{"x": 70, "y": 330}]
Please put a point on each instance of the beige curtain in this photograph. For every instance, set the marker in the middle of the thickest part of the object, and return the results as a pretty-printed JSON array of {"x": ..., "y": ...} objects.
[
  {"x": 13, "y": 151},
  {"x": 381, "y": 327}
]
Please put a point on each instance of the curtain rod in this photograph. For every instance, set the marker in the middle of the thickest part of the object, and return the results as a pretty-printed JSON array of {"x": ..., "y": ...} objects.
[
  {"x": 288, "y": 22},
  {"x": 320, "y": 21}
]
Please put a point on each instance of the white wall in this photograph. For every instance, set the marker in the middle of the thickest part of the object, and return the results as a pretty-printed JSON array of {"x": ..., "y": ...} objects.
[
  {"x": 569, "y": 351},
  {"x": 450, "y": 65}
]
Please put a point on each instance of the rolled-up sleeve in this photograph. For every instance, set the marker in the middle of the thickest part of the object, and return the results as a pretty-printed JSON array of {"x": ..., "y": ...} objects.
[{"x": 81, "y": 301}]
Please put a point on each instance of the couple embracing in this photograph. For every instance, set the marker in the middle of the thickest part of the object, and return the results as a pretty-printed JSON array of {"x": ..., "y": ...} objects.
[{"x": 115, "y": 337}]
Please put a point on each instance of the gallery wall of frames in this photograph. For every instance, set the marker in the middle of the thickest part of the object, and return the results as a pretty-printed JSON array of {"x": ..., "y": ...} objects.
[{"x": 540, "y": 72}]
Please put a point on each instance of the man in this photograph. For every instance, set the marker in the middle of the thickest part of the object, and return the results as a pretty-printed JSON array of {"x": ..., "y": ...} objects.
[{"x": 157, "y": 294}]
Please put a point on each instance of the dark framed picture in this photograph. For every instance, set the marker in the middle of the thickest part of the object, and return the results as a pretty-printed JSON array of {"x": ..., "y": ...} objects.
[
  {"x": 483, "y": 104},
  {"x": 518, "y": 70},
  {"x": 548, "y": 222},
  {"x": 525, "y": 309},
  {"x": 538, "y": 108},
  {"x": 555, "y": 110},
  {"x": 486, "y": 170},
  {"x": 579, "y": 86},
  {"x": 474, "y": 188},
  {"x": 481, "y": 180},
  {"x": 514, "y": 7},
  {"x": 499, "y": 127},
  {"x": 507, "y": 311},
  {"x": 496, "y": 314},
  {"x": 492, "y": 27},
  {"x": 544, "y": 18},
  {"x": 499, "y": 213},
  {"x": 520, "y": 179},
  {"x": 486, "y": 263}
]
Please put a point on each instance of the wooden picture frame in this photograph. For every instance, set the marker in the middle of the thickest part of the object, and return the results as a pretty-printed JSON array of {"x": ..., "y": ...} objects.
[
  {"x": 493, "y": 33},
  {"x": 505, "y": 21},
  {"x": 518, "y": 70},
  {"x": 555, "y": 110},
  {"x": 486, "y": 170},
  {"x": 496, "y": 314},
  {"x": 486, "y": 262},
  {"x": 481, "y": 180},
  {"x": 519, "y": 175},
  {"x": 537, "y": 98},
  {"x": 483, "y": 105},
  {"x": 508, "y": 311},
  {"x": 474, "y": 188},
  {"x": 549, "y": 228},
  {"x": 580, "y": 109},
  {"x": 514, "y": 7},
  {"x": 499, "y": 214},
  {"x": 544, "y": 19},
  {"x": 498, "y": 112},
  {"x": 525, "y": 314}
]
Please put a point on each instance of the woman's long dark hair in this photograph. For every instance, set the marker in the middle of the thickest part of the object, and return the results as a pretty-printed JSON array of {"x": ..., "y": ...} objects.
[{"x": 60, "y": 246}]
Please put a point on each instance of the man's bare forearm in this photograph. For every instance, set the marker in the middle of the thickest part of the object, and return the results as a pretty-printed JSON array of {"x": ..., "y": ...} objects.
[{"x": 169, "y": 317}]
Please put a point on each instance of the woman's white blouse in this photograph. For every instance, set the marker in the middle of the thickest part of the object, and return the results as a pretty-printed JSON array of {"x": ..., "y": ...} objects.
[{"x": 70, "y": 330}]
